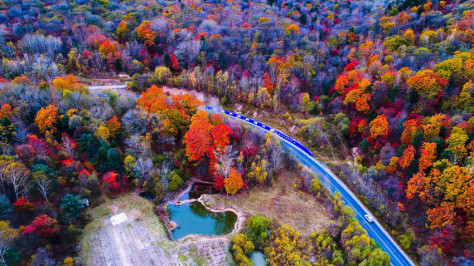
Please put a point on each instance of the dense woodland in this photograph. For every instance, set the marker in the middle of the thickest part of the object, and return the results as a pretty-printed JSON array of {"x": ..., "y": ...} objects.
[{"x": 393, "y": 79}]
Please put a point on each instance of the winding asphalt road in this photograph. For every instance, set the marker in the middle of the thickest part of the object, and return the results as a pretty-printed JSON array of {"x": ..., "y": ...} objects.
[{"x": 332, "y": 183}]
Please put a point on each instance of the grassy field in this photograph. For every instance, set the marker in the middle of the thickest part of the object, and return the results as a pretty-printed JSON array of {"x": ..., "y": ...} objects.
[
  {"x": 142, "y": 239},
  {"x": 282, "y": 203}
]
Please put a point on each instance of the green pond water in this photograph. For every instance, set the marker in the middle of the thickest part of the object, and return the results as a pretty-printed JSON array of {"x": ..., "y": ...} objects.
[
  {"x": 194, "y": 218},
  {"x": 258, "y": 258}
]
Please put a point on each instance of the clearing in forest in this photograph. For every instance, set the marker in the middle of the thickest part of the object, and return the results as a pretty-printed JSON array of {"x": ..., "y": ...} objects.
[{"x": 282, "y": 203}]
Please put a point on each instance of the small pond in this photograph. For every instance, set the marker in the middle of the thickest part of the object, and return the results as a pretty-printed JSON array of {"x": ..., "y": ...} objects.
[
  {"x": 258, "y": 258},
  {"x": 194, "y": 218}
]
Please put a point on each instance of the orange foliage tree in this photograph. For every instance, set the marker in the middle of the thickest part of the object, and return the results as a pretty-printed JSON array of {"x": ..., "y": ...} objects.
[
  {"x": 362, "y": 104},
  {"x": 145, "y": 33},
  {"x": 114, "y": 126},
  {"x": 447, "y": 189},
  {"x": 407, "y": 157},
  {"x": 46, "y": 119},
  {"x": 392, "y": 166},
  {"x": 234, "y": 182},
  {"x": 428, "y": 154},
  {"x": 442, "y": 215},
  {"x": 186, "y": 102},
  {"x": 279, "y": 70},
  {"x": 220, "y": 134},
  {"x": 216, "y": 119},
  {"x": 379, "y": 127},
  {"x": 203, "y": 138},
  {"x": 69, "y": 82},
  {"x": 411, "y": 128},
  {"x": 153, "y": 100},
  {"x": 107, "y": 48},
  {"x": 5, "y": 111},
  {"x": 427, "y": 83},
  {"x": 175, "y": 113},
  {"x": 198, "y": 139},
  {"x": 415, "y": 186},
  {"x": 292, "y": 29}
]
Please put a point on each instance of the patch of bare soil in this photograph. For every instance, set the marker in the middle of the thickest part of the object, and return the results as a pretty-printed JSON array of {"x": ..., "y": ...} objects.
[
  {"x": 112, "y": 80},
  {"x": 142, "y": 239},
  {"x": 282, "y": 203},
  {"x": 205, "y": 97}
]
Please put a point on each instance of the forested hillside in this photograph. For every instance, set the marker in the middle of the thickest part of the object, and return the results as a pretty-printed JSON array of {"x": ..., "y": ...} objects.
[{"x": 394, "y": 79}]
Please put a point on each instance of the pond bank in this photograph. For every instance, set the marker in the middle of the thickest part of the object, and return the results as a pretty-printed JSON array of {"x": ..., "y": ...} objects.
[
  {"x": 194, "y": 218},
  {"x": 206, "y": 201}
]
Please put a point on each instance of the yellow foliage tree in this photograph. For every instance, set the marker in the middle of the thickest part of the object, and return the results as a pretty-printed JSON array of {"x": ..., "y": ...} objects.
[
  {"x": 292, "y": 29},
  {"x": 456, "y": 143},
  {"x": 69, "y": 82},
  {"x": 68, "y": 261},
  {"x": 465, "y": 100},
  {"x": 7, "y": 236},
  {"x": 409, "y": 35},
  {"x": 102, "y": 132}
]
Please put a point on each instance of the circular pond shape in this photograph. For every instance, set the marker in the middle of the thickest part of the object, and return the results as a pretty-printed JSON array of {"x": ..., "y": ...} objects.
[
  {"x": 194, "y": 218},
  {"x": 258, "y": 258}
]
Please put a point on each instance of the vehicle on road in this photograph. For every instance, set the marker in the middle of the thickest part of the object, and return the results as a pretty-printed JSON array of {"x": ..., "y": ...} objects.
[
  {"x": 369, "y": 218},
  {"x": 333, "y": 184}
]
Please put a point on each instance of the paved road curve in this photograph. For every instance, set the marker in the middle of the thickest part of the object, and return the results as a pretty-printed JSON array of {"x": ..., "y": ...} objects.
[{"x": 375, "y": 230}]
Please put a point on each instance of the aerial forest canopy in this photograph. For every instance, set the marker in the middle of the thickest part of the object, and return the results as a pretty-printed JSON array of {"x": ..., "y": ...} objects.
[{"x": 381, "y": 91}]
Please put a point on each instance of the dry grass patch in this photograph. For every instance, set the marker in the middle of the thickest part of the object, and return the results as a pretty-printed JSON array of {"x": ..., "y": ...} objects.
[{"x": 282, "y": 203}]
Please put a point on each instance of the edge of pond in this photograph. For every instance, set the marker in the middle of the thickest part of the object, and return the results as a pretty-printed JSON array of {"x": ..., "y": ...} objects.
[{"x": 241, "y": 216}]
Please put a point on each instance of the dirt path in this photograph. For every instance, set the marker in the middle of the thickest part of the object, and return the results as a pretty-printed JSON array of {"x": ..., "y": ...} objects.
[{"x": 120, "y": 89}]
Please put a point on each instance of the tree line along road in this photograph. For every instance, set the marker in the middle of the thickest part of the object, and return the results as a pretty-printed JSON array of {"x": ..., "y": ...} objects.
[{"x": 331, "y": 182}]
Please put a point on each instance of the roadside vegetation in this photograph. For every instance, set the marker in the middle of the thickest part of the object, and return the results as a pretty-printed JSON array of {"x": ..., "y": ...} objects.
[
  {"x": 342, "y": 241},
  {"x": 77, "y": 148},
  {"x": 381, "y": 90}
]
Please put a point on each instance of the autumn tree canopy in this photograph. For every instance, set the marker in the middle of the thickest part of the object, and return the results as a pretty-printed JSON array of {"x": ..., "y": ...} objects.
[{"x": 46, "y": 119}]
